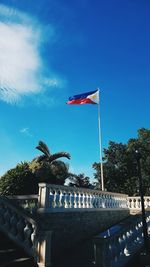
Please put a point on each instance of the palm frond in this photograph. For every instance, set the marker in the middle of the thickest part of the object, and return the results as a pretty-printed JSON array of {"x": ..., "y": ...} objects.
[
  {"x": 59, "y": 155},
  {"x": 43, "y": 148}
]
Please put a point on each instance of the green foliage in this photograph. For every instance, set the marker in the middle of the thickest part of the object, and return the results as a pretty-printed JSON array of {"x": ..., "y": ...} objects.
[
  {"x": 79, "y": 180},
  {"x": 120, "y": 166},
  {"x": 55, "y": 173},
  {"x": 47, "y": 156},
  {"x": 24, "y": 178},
  {"x": 18, "y": 181}
]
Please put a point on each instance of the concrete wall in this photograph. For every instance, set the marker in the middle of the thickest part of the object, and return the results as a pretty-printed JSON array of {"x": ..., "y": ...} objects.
[{"x": 71, "y": 227}]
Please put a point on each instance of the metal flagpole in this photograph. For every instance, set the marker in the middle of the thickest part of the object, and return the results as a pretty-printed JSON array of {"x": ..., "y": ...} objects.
[{"x": 100, "y": 144}]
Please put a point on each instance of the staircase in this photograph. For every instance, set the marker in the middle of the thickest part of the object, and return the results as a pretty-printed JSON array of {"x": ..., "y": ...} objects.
[{"x": 12, "y": 256}]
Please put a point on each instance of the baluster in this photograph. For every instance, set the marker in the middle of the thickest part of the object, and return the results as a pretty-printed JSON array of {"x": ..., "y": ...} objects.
[
  {"x": 135, "y": 203},
  {"x": 13, "y": 223},
  {"x": 109, "y": 201},
  {"x": 96, "y": 201},
  {"x": 106, "y": 201},
  {"x": 69, "y": 199},
  {"x": 33, "y": 237},
  {"x": 72, "y": 200},
  {"x": 103, "y": 201},
  {"x": 87, "y": 200},
  {"x": 100, "y": 201},
  {"x": 93, "y": 200},
  {"x": 76, "y": 200},
  {"x": 145, "y": 203},
  {"x": 118, "y": 248},
  {"x": 131, "y": 203},
  {"x": 66, "y": 199},
  {"x": 90, "y": 201},
  {"x": 98, "y": 205},
  {"x": 79, "y": 200},
  {"x": 20, "y": 228},
  {"x": 57, "y": 199},
  {"x": 51, "y": 198},
  {"x": 2, "y": 212},
  {"x": 112, "y": 202},
  {"x": 119, "y": 202},
  {"x": 121, "y": 245},
  {"x": 83, "y": 200},
  {"x": 127, "y": 246},
  {"x": 7, "y": 216},
  {"x": 138, "y": 239},
  {"x": 62, "y": 199},
  {"x": 28, "y": 230}
]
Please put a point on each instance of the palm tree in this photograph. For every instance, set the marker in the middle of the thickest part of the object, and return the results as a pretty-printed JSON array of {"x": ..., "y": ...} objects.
[
  {"x": 47, "y": 156},
  {"x": 47, "y": 167}
]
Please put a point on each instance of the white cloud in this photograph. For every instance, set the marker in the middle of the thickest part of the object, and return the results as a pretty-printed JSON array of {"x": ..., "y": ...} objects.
[{"x": 22, "y": 70}]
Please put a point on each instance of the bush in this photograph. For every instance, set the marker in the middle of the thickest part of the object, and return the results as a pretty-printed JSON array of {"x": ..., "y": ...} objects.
[{"x": 18, "y": 181}]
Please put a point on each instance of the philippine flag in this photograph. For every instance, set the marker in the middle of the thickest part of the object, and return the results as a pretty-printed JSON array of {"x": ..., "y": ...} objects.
[{"x": 85, "y": 98}]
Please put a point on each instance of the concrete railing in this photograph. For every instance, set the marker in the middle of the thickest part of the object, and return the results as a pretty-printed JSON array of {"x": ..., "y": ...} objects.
[
  {"x": 24, "y": 230},
  {"x": 27, "y": 202},
  {"x": 63, "y": 198},
  {"x": 118, "y": 247},
  {"x": 134, "y": 203}
]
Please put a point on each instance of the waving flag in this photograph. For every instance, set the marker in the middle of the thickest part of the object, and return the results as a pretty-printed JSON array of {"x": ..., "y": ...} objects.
[
  {"x": 91, "y": 98},
  {"x": 85, "y": 98}
]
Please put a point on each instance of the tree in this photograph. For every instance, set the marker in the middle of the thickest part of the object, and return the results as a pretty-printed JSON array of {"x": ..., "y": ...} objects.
[
  {"x": 18, "y": 181},
  {"x": 47, "y": 156},
  {"x": 24, "y": 178},
  {"x": 79, "y": 180},
  {"x": 120, "y": 168},
  {"x": 47, "y": 168}
]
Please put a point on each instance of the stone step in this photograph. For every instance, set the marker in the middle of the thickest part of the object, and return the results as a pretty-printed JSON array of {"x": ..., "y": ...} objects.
[
  {"x": 21, "y": 262},
  {"x": 13, "y": 256}
]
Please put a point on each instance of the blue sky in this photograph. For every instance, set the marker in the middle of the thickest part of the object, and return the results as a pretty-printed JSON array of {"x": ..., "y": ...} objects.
[{"x": 50, "y": 50}]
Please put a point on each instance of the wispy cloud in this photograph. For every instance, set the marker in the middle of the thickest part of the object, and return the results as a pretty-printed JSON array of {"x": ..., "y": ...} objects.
[
  {"x": 26, "y": 131},
  {"x": 22, "y": 69}
]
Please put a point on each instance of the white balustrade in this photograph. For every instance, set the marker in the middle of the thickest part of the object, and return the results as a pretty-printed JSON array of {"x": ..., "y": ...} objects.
[
  {"x": 134, "y": 203},
  {"x": 63, "y": 197},
  {"x": 25, "y": 231},
  {"x": 121, "y": 244},
  {"x": 60, "y": 197},
  {"x": 28, "y": 202}
]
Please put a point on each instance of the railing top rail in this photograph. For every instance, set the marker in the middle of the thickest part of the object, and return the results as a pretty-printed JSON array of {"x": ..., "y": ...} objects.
[
  {"x": 79, "y": 189},
  {"x": 23, "y": 197},
  {"x": 137, "y": 197},
  {"x": 19, "y": 210}
]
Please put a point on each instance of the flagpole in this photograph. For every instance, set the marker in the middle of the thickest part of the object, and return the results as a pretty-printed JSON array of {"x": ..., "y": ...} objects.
[{"x": 100, "y": 144}]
